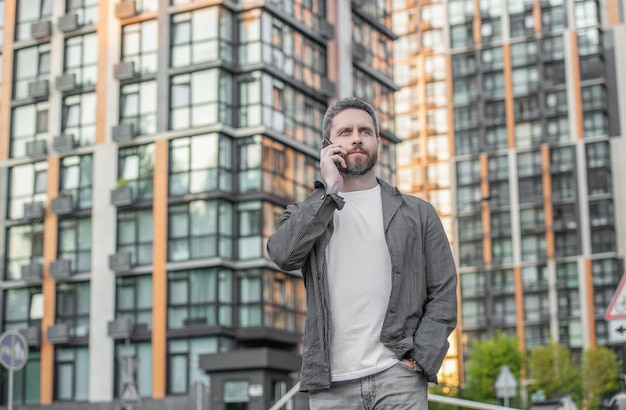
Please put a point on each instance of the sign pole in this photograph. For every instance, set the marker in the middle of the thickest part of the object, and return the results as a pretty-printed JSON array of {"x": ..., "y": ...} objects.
[{"x": 10, "y": 401}]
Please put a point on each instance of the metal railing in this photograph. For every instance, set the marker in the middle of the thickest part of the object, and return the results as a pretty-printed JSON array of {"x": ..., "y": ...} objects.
[{"x": 462, "y": 403}]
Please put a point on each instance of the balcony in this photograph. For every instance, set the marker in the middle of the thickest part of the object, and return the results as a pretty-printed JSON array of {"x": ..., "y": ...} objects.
[
  {"x": 41, "y": 29},
  {"x": 33, "y": 211},
  {"x": 121, "y": 328},
  {"x": 123, "y": 132},
  {"x": 67, "y": 23},
  {"x": 36, "y": 149},
  {"x": 66, "y": 82},
  {"x": 125, "y": 70},
  {"x": 358, "y": 51},
  {"x": 61, "y": 269},
  {"x": 327, "y": 30},
  {"x": 125, "y": 9},
  {"x": 38, "y": 89},
  {"x": 32, "y": 273},
  {"x": 58, "y": 333},
  {"x": 64, "y": 143},
  {"x": 327, "y": 88},
  {"x": 62, "y": 205},
  {"x": 121, "y": 262}
]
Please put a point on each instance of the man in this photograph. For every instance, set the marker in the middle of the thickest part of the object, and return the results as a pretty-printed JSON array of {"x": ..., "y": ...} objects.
[{"x": 379, "y": 275}]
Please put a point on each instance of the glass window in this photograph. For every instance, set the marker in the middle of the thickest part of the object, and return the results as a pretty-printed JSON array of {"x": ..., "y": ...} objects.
[
  {"x": 598, "y": 154},
  {"x": 249, "y": 243},
  {"x": 71, "y": 373},
  {"x": 77, "y": 180},
  {"x": 525, "y": 79},
  {"x": 586, "y": 13},
  {"x": 503, "y": 281},
  {"x": 534, "y": 247},
  {"x": 23, "y": 307},
  {"x": 474, "y": 312},
  {"x": 136, "y": 170},
  {"x": 467, "y": 172},
  {"x": 140, "y": 45},
  {"x": 31, "y": 64},
  {"x": 139, "y": 355},
  {"x": 200, "y": 297},
  {"x": 26, "y": 381},
  {"x": 183, "y": 361},
  {"x": 86, "y": 10},
  {"x": 79, "y": 118},
  {"x": 81, "y": 59},
  {"x": 201, "y": 163},
  {"x": 201, "y": 98},
  {"x": 138, "y": 107},
  {"x": 133, "y": 300},
  {"x": 29, "y": 123},
  {"x": 146, "y": 5},
  {"x": 29, "y": 12},
  {"x": 271, "y": 299},
  {"x": 200, "y": 229},
  {"x": 567, "y": 275},
  {"x": 72, "y": 307},
  {"x": 135, "y": 234},
  {"x": 472, "y": 284},
  {"x": 24, "y": 247},
  {"x": 28, "y": 184},
  {"x": 202, "y": 36},
  {"x": 75, "y": 243}
]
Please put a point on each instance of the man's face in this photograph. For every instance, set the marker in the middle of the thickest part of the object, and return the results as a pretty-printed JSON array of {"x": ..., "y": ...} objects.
[{"x": 354, "y": 130}]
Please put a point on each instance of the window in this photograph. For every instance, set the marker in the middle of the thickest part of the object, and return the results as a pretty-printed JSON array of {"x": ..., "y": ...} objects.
[
  {"x": 567, "y": 275},
  {"x": 571, "y": 334},
  {"x": 563, "y": 187},
  {"x": 71, "y": 373},
  {"x": 86, "y": 10},
  {"x": 202, "y": 163},
  {"x": 529, "y": 163},
  {"x": 133, "y": 300},
  {"x": 27, "y": 184},
  {"x": 271, "y": 299},
  {"x": 536, "y": 307},
  {"x": 589, "y": 41},
  {"x": 250, "y": 243},
  {"x": 72, "y": 307},
  {"x": 81, "y": 58},
  {"x": 535, "y": 278},
  {"x": 504, "y": 311},
  {"x": 183, "y": 361},
  {"x": 566, "y": 243},
  {"x": 467, "y": 172},
  {"x": 31, "y": 64},
  {"x": 369, "y": 89},
  {"x": 136, "y": 169},
  {"x": 200, "y": 297},
  {"x": 502, "y": 250},
  {"x": 525, "y": 108},
  {"x": 250, "y": 161},
  {"x": 522, "y": 24},
  {"x": 471, "y": 253},
  {"x": 138, "y": 107},
  {"x": 79, "y": 118},
  {"x": 23, "y": 307},
  {"x": 534, "y": 247},
  {"x": 474, "y": 312},
  {"x": 586, "y": 13},
  {"x": 26, "y": 381},
  {"x": 202, "y": 36},
  {"x": 140, "y": 45},
  {"x": 146, "y": 5},
  {"x": 201, "y": 98},
  {"x": 466, "y": 117},
  {"x": 595, "y": 124},
  {"x": 200, "y": 229},
  {"x": 537, "y": 335},
  {"x": 503, "y": 281},
  {"x": 470, "y": 227},
  {"x": 140, "y": 355},
  {"x": 29, "y": 12},
  {"x": 465, "y": 89},
  {"x": 498, "y": 167},
  {"x": 500, "y": 224},
  {"x": 525, "y": 79},
  {"x": 493, "y": 86},
  {"x": 29, "y": 123},
  {"x": 378, "y": 45},
  {"x": 77, "y": 180},
  {"x": 135, "y": 233},
  {"x": 496, "y": 138},
  {"x": 594, "y": 98},
  {"x": 598, "y": 154},
  {"x": 532, "y": 220},
  {"x": 24, "y": 247},
  {"x": 75, "y": 243},
  {"x": 472, "y": 284},
  {"x": 463, "y": 64},
  {"x": 461, "y": 35},
  {"x": 553, "y": 19}
]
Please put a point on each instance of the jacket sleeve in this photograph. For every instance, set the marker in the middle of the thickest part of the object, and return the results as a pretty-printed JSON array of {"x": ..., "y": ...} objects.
[
  {"x": 300, "y": 225},
  {"x": 440, "y": 311}
]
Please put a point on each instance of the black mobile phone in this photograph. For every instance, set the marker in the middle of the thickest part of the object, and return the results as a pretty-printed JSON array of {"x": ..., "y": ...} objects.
[{"x": 326, "y": 142}]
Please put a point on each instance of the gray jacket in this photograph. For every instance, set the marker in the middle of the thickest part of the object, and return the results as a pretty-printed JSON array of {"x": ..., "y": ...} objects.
[{"x": 422, "y": 308}]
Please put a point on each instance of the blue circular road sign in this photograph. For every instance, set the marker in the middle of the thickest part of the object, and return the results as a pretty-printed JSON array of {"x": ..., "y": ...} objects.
[{"x": 13, "y": 350}]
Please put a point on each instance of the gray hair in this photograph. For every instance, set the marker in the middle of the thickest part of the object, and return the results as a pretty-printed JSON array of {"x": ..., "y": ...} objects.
[{"x": 344, "y": 104}]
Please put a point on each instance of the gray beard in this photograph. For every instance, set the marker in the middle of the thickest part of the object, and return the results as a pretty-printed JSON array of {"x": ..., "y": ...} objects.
[{"x": 360, "y": 166}]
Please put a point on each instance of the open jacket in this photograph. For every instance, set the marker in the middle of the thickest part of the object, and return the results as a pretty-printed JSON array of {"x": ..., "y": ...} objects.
[{"x": 422, "y": 307}]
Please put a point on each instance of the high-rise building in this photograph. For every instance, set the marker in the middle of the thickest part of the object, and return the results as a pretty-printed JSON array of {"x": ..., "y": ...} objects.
[
  {"x": 511, "y": 115},
  {"x": 146, "y": 150}
]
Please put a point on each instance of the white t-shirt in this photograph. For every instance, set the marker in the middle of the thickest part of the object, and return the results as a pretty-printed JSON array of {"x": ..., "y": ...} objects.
[{"x": 359, "y": 278}]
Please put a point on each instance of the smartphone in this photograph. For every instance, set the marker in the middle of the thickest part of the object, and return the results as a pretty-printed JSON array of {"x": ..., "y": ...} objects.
[{"x": 326, "y": 142}]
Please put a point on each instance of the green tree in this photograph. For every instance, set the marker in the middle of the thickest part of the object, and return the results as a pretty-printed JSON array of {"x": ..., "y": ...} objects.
[
  {"x": 552, "y": 371},
  {"x": 600, "y": 375},
  {"x": 486, "y": 358}
]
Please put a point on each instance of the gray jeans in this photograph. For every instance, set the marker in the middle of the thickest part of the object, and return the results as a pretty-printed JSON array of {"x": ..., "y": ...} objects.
[{"x": 397, "y": 388}]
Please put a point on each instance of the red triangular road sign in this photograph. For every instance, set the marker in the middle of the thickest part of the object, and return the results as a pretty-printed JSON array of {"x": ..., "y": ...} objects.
[{"x": 617, "y": 308}]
